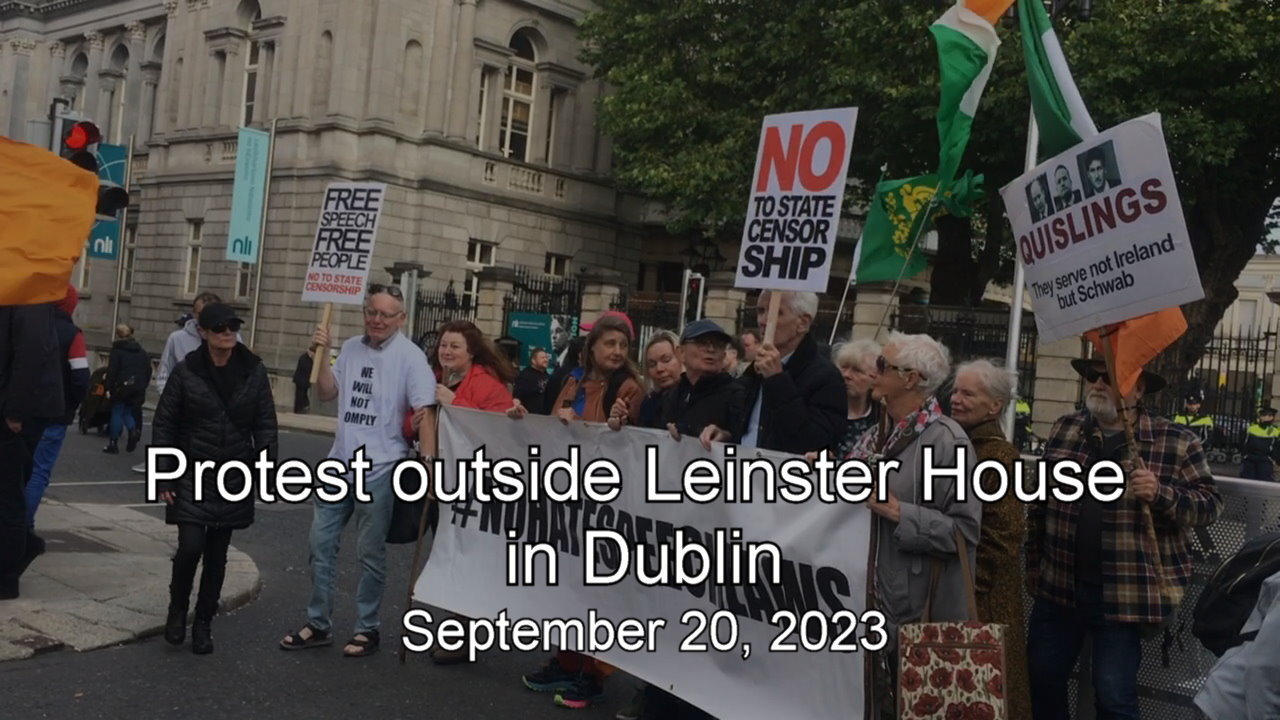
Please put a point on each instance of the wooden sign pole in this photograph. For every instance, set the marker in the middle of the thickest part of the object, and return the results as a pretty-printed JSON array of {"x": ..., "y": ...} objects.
[
  {"x": 322, "y": 351},
  {"x": 775, "y": 304}
]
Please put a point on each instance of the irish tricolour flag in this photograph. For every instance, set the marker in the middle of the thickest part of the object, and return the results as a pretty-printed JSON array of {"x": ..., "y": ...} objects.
[
  {"x": 967, "y": 43},
  {"x": 1060, "y": 112}
]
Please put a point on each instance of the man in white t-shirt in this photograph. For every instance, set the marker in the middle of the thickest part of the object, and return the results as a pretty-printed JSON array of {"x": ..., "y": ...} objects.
[{"x": 379, "y": 377}]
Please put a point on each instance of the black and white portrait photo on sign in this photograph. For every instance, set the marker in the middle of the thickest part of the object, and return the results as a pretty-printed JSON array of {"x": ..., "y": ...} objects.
[
  {"x": 1099, "y": 171},
  {"x": 1064, "y": 193},
  {"x": 1038, "y": 198}
]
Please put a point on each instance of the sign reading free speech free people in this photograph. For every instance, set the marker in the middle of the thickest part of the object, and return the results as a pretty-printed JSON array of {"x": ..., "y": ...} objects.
[
  {"x": 343, "y": 250},
  {"x": 794, "y": 212},
  {"x": 248, "y": 196},
  {"x": 1100, "y": 233}
]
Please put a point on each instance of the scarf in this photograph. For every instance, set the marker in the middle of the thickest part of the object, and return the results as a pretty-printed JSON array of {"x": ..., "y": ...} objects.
[{"x": 876, "y": 444}]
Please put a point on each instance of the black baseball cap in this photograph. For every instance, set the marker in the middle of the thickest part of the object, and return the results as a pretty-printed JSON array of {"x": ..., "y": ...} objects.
[
  {"x": 702, "y": 328},
  {"x": 216, "y": 314}
]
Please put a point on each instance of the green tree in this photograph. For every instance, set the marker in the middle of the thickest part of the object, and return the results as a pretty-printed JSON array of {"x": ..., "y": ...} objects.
[{"x": 691, "y": 79}]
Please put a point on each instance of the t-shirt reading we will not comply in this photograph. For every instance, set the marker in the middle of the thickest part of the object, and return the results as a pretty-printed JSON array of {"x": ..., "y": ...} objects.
[{"x": 376, "y": 389}]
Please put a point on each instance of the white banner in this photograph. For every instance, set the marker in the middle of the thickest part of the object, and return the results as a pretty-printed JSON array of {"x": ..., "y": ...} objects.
[
  {"x": 343, "y": 249},
  {"x": 1100, "y": 233},
  {"x": 823, "y": 550},
  {"x": 796, "y": 193}
]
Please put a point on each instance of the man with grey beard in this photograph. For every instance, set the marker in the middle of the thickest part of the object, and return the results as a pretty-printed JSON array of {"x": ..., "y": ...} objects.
[{"x": 1090, "y": 568}]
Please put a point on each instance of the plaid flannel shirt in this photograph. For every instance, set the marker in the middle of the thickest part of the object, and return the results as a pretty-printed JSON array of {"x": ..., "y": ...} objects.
[{"x": 1187, "y": 497}]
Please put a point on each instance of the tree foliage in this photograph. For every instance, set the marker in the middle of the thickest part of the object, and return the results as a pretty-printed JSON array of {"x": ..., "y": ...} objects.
[{"x": 691, "y": 79}]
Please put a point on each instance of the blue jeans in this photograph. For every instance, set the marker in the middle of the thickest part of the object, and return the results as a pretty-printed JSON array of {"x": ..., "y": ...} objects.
[
  {"x": 372, "y": 520},
  {"x": 45, "y": 456},
  {"x": 1055, "y": 637},
  {"x": 121, "y": 414}
]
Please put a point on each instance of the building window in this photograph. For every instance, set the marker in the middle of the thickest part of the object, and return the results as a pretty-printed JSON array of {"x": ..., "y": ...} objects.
[
  {"x": 251, "y": 81},
  {"x": 244, "y": 280},
  {"x": 479, "y": 256},
  {"x": 195, "y": 240},
  {"x": 130, "y": 255},
  {"x": 517, "y": 99},
  {"x": 557, "y": 265},
  {"x": 670, "y": 277}
]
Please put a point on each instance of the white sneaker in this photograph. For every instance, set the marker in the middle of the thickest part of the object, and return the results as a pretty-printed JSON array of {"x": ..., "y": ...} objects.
[{"x": 140, "y": 467}]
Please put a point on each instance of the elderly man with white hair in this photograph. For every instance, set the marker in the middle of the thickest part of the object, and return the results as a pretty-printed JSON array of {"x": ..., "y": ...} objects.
[
  {"x": 911, "y": 534},
  {"x": 795, "y": 396}
]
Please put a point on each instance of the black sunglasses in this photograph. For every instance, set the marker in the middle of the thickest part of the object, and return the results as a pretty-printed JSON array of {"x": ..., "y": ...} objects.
[
  {"x": 1092, "y": 374},
  {"x": 882, "y": 364},
  {"x": 232, "y": 325},
  {"x": 392, "y": 290}
]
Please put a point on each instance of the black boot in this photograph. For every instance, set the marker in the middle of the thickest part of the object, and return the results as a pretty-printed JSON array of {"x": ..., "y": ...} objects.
[
  {"x": 132, "y": 443},
  {"x": 175, "y": 628},
  {"x": 201, "y": 636},
  {"x": 112, "y": 448}
]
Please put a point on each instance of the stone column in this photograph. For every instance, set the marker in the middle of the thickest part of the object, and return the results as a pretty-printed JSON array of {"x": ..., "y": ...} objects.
[
  {"x": 493, "y": 113},
  {"x": 22, "y": 49},
  {"x": 109, "y": 89},
  {"x": 90, "y": 90},
  {"x": 874, "y": 299},
  {"x": 135, "y": 104},
  {"x": 1057, "y": 386},
  {"x": 493, "y": 285},
  {"x": 57, "y": 62},
  {"x": 217, "y": 63},
  {"x": 723, "y": 300},
  {"x": 437, "y": 80},
  {"x": 232, "y": 100},
  {"x": 561, "y": 155},
  {"x": 150, "y": 100},
  {"x": 543, "y": 100},
  {"x": 600, "y": 287},
  {"x": 461, "y": 100},
  {"x": 584, "y": 131}
]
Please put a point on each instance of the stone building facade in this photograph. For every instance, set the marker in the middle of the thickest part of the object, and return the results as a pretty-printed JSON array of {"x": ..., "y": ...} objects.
[{"x": 476, "y": 113}]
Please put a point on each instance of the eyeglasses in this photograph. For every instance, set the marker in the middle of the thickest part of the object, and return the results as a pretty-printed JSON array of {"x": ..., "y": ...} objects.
[
  {"x": 228, "y": 326},
  {"x": 1091, "y": 375},
  {"x": 371, "y": 313},
  {"x": 882, "y": 364},
  {"x": 392, "y": 290}
]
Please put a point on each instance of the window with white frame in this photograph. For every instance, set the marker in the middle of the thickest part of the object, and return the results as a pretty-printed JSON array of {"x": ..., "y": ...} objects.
[
  {"x": 479, "y": 256},
  {"x": 244, "y": 280},
  {"x": 517, "y": 99},
  {"x": 195, "y": 242},
  {"x": 251, "y": 79},
  {"x": 130, "y": 256},
  {"x": 557, "y": 265}
]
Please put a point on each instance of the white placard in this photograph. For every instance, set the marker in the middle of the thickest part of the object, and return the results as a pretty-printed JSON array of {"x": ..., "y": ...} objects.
[
  {"x": 796, "y": 193},
  {"x": 338, "y": 270},
  {"x": 824, "y": 548},
  {"x": 1100, "y": 233}
]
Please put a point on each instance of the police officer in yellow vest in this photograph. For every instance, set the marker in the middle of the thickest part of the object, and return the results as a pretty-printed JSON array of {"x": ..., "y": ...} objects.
[
  {"x": 1192, "y": 419},
  {"x": 1260, "y": 447}
]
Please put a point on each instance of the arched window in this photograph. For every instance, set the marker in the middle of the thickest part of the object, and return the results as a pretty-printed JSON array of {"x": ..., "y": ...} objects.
[
  {"x": 119, "y": 64},
  {"x": 321, "y": 81},
  {"x": 174, "y": 91},
  {"x": 79, "y": 69},
  {"x": 517, "y": 99},
  {"x": 411, "y": 79},
  {"x": 249, "y": 13}
]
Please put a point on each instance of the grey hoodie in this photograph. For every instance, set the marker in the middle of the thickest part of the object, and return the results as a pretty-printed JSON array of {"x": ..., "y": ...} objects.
[
  {"x": 180, "y": 344},
  {"x": 1245, "y": 683}
]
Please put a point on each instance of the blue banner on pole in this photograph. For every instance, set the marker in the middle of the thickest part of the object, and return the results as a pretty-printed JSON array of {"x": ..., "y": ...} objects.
[
  {"x": 104, "y": 237},
  {"x": 247, "y": 196}
]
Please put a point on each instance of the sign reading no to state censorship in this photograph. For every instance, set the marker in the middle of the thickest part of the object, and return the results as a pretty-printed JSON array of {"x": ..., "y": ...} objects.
[
  {"x": 797, "y": 190},
  {"x": 1100, "y": 232},
  {"x": 343, "y": 248}
]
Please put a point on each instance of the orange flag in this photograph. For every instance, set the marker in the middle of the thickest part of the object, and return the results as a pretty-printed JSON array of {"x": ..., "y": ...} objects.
[
  {"x": 46, "y": 211},
  {"x": 990, "y": 10},
  {"x": 1137, "y": 340}
]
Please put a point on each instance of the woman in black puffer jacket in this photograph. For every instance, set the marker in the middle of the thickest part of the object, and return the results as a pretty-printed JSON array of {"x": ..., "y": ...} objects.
[{"x": 217, "y": 405}]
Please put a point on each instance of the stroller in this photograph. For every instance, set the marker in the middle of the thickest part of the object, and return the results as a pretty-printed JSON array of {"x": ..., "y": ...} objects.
[{"x": 95, "y": 411}]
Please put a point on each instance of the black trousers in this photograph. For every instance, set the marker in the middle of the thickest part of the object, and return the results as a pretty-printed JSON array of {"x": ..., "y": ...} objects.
[
  {"x": 16, "y": 453},
  {"x": 196, "y": 543}
]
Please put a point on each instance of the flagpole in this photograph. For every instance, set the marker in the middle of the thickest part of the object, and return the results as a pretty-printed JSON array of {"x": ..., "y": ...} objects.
[
  {"x": 853, "y": 269},
  {"x": 1019, "y": 279},
  {"x": 262, "y": 233},
  {"x": 122, "y": 230}
]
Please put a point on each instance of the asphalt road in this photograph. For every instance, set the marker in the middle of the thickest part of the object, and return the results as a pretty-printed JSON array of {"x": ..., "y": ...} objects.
[{"x": 248, "y": 676}]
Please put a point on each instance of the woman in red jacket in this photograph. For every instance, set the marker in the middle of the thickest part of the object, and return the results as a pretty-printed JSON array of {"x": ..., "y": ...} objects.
[{"x": 470, "y": 371}]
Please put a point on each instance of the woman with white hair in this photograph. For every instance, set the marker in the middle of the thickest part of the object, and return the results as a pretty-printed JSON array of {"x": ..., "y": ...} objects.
[
  {"x": 911, "y": 535},
  {"x": 857, "y": 363},
  {"x": 980, "y": 395}
]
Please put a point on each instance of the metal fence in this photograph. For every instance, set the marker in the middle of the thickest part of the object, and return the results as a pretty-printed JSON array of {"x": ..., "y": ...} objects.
[
  {"x": 649, "y": 313},
  {"x": 434, "y": 308},
  {"x": 974, "y": 332}
]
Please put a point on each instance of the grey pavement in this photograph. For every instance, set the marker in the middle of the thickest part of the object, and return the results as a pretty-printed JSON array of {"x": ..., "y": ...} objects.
[{"x": 103, "y": 580}]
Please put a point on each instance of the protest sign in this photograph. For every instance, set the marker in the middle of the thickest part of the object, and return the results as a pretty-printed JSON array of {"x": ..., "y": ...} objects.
[
  {"x": 343, "y": 247},
  {"x": 741, "y": 669},
  {"x": 1100, "y": 233},
  {"x": 797, "y": 190},
  {"x": 248, "y": 195}
]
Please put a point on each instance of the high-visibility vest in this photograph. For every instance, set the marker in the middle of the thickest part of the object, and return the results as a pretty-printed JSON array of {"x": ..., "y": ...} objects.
[
  {"x": 1022, "y": 408},
  {"x": 1193, "y": 420},
  {"x": 1261, "y": 440}
]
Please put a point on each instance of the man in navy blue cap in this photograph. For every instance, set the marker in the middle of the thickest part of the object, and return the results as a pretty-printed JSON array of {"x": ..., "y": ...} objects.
[{"x": 706, "y": 394}]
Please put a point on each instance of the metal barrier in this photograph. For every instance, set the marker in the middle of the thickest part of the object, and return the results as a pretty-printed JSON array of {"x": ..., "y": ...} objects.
[{"x": 1250, "y": 508}]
